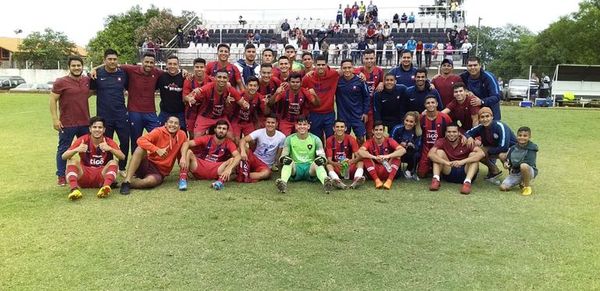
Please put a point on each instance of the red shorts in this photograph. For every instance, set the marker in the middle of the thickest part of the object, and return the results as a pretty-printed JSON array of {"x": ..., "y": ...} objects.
[
  {"x": 148, "y": 168},
  {"x": 91, "y": 178},
  {"x": 287, "y": 127},
  {"x": 203, "y": 124},
  {"x": 206, "y": 170},
  {"x": 237, "y": 128},
  {"x": 425, "y": 165},
  {"x": 191, "y": 114},
  {"x": 255, "y": 164},
  {"x": 369, "y": 124},
  {"x": 382, "y": 173}
]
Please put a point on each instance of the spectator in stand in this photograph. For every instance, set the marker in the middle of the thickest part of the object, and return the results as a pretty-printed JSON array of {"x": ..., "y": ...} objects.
[
  {"x": 419, "y": 53},
  {"x": 257, "y": 37},
  {"x": 325, "y": 50},
  {"x": 157, "y": 48},
  {"x": 444, "y": 82},
  {"x": 534, "y": 85},
  {"x": 354, "y": 52},
  {"x": 355, "y": 11},
  {"x": 544, "y": 86},
  {"x": 404, "y": 19},
  {"x": 345, "y": 49},
  {"x": 465, "y": 49},
  {"x": 428, "y": 48},
  {"x": 399, "y": 49},
  {"x": 389, "y": 52},
  {"x": 386, "y": 31},
  {"x": 405, "y": 72},
  {"x": 411, "y": 20},
  {"x": 449, "y": 51},
  {"x": 285, "y": 30},
  {"x": 241, "y": 21},
  {"x": 440, "y": 51},
  {"x": 180, "y": 39},
  {"x": 336, "y": 55},
  {"x": 396, "y": 20},
  {"x": 145, "y": 45},
  {"x": 191, "y": 37},
  {"x": 348, "y": 14},
  {"x": 362, "y": 9},
  {"x": 336, "y": 29},
  {"x": 454, "y": 10},
  {"x": 339, "y": 17},
  {"x": 483, "y": 86},
  {"x": 463, "y": 34},
  {"x": 371, "y": 45},
  {"x": 362, "y": 46},
  {"x": 379, "y": 47},
  {"x": 151, "y": 46},
  {"x": 411, "y": 45},
  {"x": 371, "y": 32},
  {"x": 452, "y": 36}
]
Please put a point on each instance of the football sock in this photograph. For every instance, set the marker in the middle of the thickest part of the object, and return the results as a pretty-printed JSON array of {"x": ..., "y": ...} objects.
[
  {"x": 437, "y": 177},
  {"x": 467, "y": 181},
  {"x": 321, "y": 174},
  {"x": 72, "y": 176},
  {"x": 111, "y": 175},
  {"x": 334, "y": 175},
  {"x": 183, "y": 173},
  {"x": 286, "y": 172},
  {"x": 359, "y": 173}
]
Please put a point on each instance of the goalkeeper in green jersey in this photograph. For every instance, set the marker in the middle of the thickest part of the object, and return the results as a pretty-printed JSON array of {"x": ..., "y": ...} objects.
[{"x": 303, "y": 158}]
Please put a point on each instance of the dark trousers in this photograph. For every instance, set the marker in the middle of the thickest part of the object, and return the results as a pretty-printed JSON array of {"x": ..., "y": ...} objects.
[
  {"x": 65, "y": 139},
  {"x": 123, "y": 130},
  {"x": 140, "y": 121}
]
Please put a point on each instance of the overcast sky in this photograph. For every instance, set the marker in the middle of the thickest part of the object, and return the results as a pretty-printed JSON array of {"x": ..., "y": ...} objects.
[{"x": 81, "y": 20}]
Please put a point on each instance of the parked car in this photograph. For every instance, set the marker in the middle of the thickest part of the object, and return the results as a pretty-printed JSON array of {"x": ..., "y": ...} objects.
[
  {"x": 33, "y": 87},
  {"x": 7, "y": 82},
  {"x": 517, "y": 89}
]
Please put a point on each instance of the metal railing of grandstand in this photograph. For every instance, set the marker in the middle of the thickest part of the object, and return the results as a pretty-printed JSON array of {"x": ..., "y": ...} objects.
[
  {"x": 173, "y": 42},
  {"x": 187, "y": 56}
]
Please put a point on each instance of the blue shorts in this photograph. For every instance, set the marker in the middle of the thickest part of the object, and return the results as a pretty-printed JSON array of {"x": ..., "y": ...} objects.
[
  {"x": 321, "y": 123},
  {"x": 457, "y": 175}
]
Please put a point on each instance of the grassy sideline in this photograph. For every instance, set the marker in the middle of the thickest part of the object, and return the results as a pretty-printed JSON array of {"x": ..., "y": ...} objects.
[{"x": 250, "y": 237}]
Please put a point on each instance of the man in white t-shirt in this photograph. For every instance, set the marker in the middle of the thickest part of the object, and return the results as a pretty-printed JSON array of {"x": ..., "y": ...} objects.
[
  {"x": 465, "y": 48},
  {"x": 257, "y": 165}
]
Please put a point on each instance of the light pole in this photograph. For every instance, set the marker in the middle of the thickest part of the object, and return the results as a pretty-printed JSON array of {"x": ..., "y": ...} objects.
[{"x": 477, "y": 40}]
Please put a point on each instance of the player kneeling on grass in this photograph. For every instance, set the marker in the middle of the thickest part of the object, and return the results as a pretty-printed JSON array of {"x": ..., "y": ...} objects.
[
  {"x": 155, "y": 156},
  {"x": 496, "y": 139},
  {"x": 381, "y": 156},
  {"x": 342, "y": 157},
  {"x": 521, "y": 163},
  {"x": 303, "y": 158},
  {"x": 455, "y": 161},
  {"x": 95, "y": 165},
  {"x": 256, "y": 165},
  {"x": 216, "y": 160}
]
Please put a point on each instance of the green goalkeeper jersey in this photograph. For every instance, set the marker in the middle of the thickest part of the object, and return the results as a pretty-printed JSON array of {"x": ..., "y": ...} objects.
[{"x": 303, "y": 150}]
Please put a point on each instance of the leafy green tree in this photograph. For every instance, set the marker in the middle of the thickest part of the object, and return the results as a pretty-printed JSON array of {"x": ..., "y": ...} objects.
[
  {"x": 44, "y": 50},
  {"x": 125, "y": 32}
]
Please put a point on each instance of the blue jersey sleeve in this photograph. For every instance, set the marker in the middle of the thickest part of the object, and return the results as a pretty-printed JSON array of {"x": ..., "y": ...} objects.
[{"x": 503, "y": 133}]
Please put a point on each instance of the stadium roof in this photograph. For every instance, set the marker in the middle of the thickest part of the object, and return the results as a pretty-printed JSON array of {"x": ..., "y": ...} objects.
[{"x": 12, "y": 44}]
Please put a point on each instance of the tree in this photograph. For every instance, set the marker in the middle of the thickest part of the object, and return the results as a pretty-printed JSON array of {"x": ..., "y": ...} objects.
[
  {"x": 44, "y": 50},
  {"x": 125, "y": 32}
]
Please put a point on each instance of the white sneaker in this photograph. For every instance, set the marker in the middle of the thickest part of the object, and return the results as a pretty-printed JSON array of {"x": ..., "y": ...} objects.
[{"x": 407, "y": 174}]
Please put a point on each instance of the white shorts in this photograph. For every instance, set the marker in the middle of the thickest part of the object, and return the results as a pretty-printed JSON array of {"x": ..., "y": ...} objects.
[{"x": 515, "y": 179}]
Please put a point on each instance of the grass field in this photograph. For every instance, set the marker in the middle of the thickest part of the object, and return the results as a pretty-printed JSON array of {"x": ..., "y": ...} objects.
[{"x": 251, "y": 237}]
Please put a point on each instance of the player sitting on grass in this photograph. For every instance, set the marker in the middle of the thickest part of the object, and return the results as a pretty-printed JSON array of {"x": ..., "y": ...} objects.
[
  {"x": 216, "y": 161},
  {"x": 155, "y": 157},
  {"x": 256, "y": 165},
  {"x": 95, "y": 165},
  {"x": 521, "y": 163},
  {"x": 455, "y": 161},
  {"x": 342, "y": 156},
  {"x": 381, "y": 156},
  {"x": 496, "y": 139},
  {"x": 303, "y": 158}
]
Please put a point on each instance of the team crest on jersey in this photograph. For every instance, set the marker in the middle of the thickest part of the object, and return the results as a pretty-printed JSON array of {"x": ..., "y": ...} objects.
[
  {"x": 309, "y": 146},
  {"x": 496, "y": 135}
]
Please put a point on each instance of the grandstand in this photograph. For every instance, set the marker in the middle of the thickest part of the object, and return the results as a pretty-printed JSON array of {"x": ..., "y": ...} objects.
[{"x": 431, "y": 24}]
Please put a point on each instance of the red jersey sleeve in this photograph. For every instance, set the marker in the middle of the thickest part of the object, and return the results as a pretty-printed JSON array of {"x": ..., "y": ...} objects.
[
  {"x": 328, "y": 149},
  {"x": 187, "y": 87},
  {"x": 439, "y": 143},
  {"x": 451, "y": 106},
  {"x": 231, "y": 147},
  {"x": 309, "y": 97},
  {"x": 201, "y": 141},
  {"x": 393, "y": 144},
  {"x": 59, "y": 86},
  {"x": 236, "y": 74}
]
